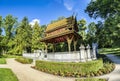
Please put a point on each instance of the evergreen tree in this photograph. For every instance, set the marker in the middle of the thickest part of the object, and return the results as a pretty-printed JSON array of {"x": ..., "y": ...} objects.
[
  {"x": 37, "y": 33},
  {"x": 23, "y": 37}
]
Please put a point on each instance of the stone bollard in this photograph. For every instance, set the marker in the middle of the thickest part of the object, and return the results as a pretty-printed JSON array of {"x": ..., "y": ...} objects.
[
  {"x": 94, "y": 52},
  {"x": 82, "y": 53},
  {"x": 88, "y": 53}
]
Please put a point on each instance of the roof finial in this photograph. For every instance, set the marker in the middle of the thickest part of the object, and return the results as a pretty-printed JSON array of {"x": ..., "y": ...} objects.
[{"x": 75, "y": 14}]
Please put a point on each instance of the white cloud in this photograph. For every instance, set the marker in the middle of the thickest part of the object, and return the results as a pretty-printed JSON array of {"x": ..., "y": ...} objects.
[
  {"x": 69, "y": 4},
  {"x": 33, "y": 22}
]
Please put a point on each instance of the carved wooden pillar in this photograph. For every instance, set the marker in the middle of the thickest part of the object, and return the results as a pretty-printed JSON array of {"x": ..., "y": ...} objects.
[
  {"x": 69, "y": 41},
  {"x": 75, "y": 43},
  {"x": 46, "y": 47},
  {"x": 53, "y": 47}
]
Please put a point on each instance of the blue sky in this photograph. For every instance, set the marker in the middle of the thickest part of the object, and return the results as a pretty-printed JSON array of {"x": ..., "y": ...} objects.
[{"x": 44, "y": 10}]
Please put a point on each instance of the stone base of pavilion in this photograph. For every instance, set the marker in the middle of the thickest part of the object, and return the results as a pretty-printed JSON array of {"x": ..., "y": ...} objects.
[
  {"x": 63, "y": 56},
  {"x": 85, "y": 54},
  {"x": 60, "y": 56}
]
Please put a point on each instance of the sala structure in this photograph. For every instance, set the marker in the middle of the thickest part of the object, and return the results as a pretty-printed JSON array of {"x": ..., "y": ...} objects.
[{"x": 62, "y": 31}]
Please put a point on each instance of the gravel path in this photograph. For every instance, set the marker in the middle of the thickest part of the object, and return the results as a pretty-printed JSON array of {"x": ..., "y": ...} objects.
[{"x": 24, "y": 72}]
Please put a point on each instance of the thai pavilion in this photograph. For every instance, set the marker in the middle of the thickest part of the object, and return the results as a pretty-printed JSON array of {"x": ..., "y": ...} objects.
[{"x": 64, "y": 30}]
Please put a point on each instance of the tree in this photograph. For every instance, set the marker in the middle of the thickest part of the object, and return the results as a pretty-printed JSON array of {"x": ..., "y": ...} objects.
[
  {"x": 103, "y": 8},
  {"x": 23, "y": 37},
  {"x": 82, "y": 29},
  {"x": 8, "y": 25},
  {"x": 91, "y": 33},
  {"x": 109, "y": 11},
  {"x": 37, "y": 33}
]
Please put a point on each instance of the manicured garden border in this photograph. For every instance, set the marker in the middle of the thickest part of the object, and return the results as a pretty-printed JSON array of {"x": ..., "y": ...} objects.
[
  {"x": 91, "y": 79},
  {"x": 24, "y": 60},
  {"x": 88, "y": 69},
  {"x": 2, "y": 61}
]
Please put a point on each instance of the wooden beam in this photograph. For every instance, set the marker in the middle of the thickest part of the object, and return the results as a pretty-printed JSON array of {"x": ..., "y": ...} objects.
[{"x": 53, "y": 47}]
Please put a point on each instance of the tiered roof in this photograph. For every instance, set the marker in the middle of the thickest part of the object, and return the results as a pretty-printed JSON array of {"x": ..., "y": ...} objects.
[{"x": 70, "y": 25}]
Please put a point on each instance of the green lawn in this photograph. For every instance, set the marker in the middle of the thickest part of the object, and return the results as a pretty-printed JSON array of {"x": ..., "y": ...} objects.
[
  {"x": 115, "y": 51},
  {"x": 7, "y": 75},
  {"x": 2, "y": 61}
]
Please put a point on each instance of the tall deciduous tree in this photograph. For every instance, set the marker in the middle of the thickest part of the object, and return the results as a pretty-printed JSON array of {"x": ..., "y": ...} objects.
[
  {"x": 109, "y": 11},
  {"x": 82, "y": 29},
  {"x": 8, "y": 25},
  {"x": 91, "y": 33}
]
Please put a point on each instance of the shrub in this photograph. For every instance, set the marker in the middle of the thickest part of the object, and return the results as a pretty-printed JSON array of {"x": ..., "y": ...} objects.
[
  {"x": 24, "y": 60},
  {"x": 2, "y": 61},
  {"x": 70, "y": 68}
]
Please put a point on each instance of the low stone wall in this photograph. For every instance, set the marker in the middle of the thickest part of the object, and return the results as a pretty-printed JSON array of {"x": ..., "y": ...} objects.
[
  {"x": 85, "y": 54},
  {"x": 64, "y": 56}
]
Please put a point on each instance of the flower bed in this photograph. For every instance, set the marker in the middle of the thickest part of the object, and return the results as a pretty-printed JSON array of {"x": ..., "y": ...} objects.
[
  {"x": 91, "y": 79},
  {"x": 70, "y": 69}
]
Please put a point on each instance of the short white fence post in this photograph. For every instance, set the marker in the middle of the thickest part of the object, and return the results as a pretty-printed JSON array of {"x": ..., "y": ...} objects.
[
  {"x": 88, "y": 53},
  {"x": 94, "y": 52},
  {"x": 82, "y": 53}
]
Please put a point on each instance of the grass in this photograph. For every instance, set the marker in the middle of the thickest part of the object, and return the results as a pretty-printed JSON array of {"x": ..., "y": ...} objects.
[
  {"x": 2, "y": 61},
  {"x": 115, "y": 51},
  {"x": 7, "y": 75},
  {"x": 24, "y": 60},
  {"x": 91, "y": 79}
]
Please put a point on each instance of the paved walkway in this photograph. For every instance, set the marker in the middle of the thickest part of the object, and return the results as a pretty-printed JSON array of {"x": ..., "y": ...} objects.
[
  {"x": 115, "y": 75},
  {"x": 24, "y": 72}
]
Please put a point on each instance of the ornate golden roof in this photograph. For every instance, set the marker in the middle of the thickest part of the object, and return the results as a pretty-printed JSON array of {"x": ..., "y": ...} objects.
[
  {"x": 61, "y": 29},
  {"x": 58, "y": 24}
]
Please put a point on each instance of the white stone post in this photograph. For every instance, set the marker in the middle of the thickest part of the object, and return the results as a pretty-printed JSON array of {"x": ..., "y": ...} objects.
[
  {"x": 94, "y": 52},
  {"x": 82, "y": 53},
  {"x": 88, "y": 53}
]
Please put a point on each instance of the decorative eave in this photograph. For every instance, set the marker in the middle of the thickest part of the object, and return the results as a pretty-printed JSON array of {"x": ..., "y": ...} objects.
[{"x": 60, "y": 35}]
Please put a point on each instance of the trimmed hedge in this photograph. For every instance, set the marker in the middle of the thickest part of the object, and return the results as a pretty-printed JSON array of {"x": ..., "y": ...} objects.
[
  {"x": 91, "y": 79},
  {"x": 2, "y": 61},
  {"x": 70, "y": 68},
  {"x": 24, "y": 60}
]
